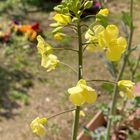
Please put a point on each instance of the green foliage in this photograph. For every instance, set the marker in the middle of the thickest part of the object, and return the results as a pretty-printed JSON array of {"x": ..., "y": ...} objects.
[
  {"x": 21, "y": 96},
  {"x": 98, "y": 134},
  {"x": 135, "y": 135},
  {"x": 104, "y": 108},
  {"x": 115, "y": 118},
  {"x": 126, "y": 18}
]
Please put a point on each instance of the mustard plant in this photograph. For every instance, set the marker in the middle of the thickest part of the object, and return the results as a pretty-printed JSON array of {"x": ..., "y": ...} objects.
[{"x": 101, "y": 37}]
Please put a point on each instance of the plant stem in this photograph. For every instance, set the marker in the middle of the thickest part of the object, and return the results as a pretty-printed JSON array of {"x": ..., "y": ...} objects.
[
  {"x": 68, "y": 67},
  {"x": 131, "y": 26},
  {"x": 80, "y": 73},
  {"x": 114, "y": 100},
  {"x": 66, "y": 111},
  {"x": 136, "y": 67},
  {"x": 69, "y": 49},
  {"x": 98, "y": 80},
  {"x": 125, "y": 58}
]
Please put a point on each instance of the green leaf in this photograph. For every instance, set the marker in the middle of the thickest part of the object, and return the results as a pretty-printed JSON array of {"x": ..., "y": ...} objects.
[{"x": 126, "y": 18}]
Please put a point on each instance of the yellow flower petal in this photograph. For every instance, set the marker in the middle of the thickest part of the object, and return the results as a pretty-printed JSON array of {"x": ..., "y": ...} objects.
[
  {"x": 82, "y": 93},
  {"x": 111, "y": 32},
  {"x": 90, "y": 95},
  {"x": 43, "y": 47},
  {"x": 121, "y": 42},
  {"x": 58, "y": 36},
  {"x": 75, "y": 95},
  {"x": 62, "y": 19},
  {"x": 104, "y": 12},
  {"x": 49, "y": 62},
  {"x": 92, "y": 48},
  {"x": 127, "y": 88},
  {"x": 92, "y": 37},
  {"x": 37, "y": 126},
  {"x": 109, "y": 41}
]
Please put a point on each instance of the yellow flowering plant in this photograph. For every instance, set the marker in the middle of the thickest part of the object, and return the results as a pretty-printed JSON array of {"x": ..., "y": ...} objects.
[
  {"x": 126, "y": 88},
  {"x": 101, "y": 37},
  {"x": 38, "y": 126},
  {"x": 82, "y": 93}
]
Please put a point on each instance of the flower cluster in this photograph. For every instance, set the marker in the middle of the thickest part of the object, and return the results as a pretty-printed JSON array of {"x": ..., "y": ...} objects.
[
  {"x": 106, "y": 39},
  {"x": 49, "y": 60},
  {"x": 61, "y": 21},
  {"x": 37, "y": 126},
  {"x": 126, "y": 88},
  {"x": 82, "y": 93}
]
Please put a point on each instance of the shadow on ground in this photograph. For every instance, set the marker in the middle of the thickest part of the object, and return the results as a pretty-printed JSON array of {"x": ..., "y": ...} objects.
[{"x": 13, "y": 87}]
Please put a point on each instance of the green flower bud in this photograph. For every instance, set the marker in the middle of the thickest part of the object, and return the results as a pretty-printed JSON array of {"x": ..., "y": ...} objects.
[
  {"x": 54, "y": 25},
  {"x": 57, "y": 9},
  {"x": 79, "y": 13},
  {"x": 58, "y": 29},
  {"x": 75, "y": 19},
  {"x": 88, "y": 4}
]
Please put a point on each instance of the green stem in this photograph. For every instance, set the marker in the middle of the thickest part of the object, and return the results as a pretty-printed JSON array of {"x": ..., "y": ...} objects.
[
  {"x": 68, "y": 67},
  {"x": 65, "y": 49},
  {"x": 98, "y": 80},
  {"x": 60, "y": 113},
  {"x": 131, "y": 26},
  {"x": 80, "y": 73},
  {"x": 136, "y": 67},
  {"x": 115, "y": 93}
]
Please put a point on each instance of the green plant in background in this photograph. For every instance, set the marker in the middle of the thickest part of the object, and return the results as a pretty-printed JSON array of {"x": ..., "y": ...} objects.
[{"x": 100, "y": 37}]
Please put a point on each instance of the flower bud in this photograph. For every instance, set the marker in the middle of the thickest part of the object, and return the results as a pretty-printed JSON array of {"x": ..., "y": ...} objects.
[
  {"x": 88, "y": 4},
  {"x": 58, "y": 29}
]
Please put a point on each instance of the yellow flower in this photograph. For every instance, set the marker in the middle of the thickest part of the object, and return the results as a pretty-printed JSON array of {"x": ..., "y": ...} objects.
[
  {"x": 37, "y": 126},
  {"x": 82, "y": 93},
  {"x": 49, "y": 62},
  {"x": 92, "y": 37},
  {"x": 104, "y": 12},
  {"x": 43, "y": 47},
  {"x": 59, "y": 36},
  {"x": 126, "y": 88},
  {"x": 114, "y": 45},
  {"x": 62, "y": 19}
]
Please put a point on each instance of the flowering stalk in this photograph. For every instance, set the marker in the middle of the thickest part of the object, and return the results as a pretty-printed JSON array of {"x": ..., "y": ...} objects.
[
  {"x": 80, "y": 73},
  {"x": 100, "y": 80},
  {"x": 125, "y": 59},
  {"x": 60, "y": 113}
]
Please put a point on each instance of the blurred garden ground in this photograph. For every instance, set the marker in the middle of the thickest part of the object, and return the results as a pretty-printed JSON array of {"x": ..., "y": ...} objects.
[{"x": 27, "y": 90}]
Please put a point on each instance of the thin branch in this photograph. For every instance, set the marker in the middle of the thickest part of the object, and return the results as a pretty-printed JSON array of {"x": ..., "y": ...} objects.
[
  {"x": 65, "y": 49},
  {"x": 60, "y": 113},
  {"x": 136, "y": 67},
  {"x": 69, "y": 67},
  {"x": 98, "y": 80},
  {"x": 89, "y": 16},
  {"x": 86, "y": 45}
]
